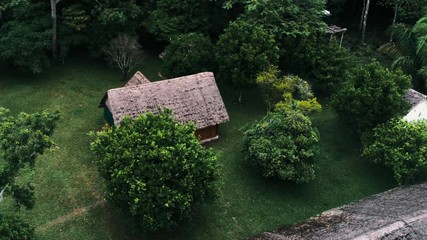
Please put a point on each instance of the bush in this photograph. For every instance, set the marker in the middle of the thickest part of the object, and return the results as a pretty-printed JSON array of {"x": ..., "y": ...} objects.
[
  {"x": 373, "y": 95},
  {"x": 13, "y": 228},
  {"x": 243, "y": 51},
  {"x": 287, "y": 92},
  {"x": 325, "y": 64},
  {"x": 155, "y": 169},
  {"x": 188, "y": 54},
  {"x": 283, "y": 145},
  {"x": 400, "y": 145}
]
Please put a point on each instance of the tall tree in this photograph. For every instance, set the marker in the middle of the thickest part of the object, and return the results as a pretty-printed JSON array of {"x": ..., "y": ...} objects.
[
  {"x": 166, "y": 18},
  {"x": 364, "y": 21},
  {"x": 23, "y": 138},
  {"x": 243, "y": 51},
  {"x": 24, "y": 34},
  {"x": 373, "y": 95},
  {"x": 53, "y": 14}
]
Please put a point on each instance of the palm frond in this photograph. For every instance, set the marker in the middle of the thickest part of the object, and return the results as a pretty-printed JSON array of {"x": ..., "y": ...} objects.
[
  {"x": 406, "y": 63},
  {"x": 390, "y": 49}
]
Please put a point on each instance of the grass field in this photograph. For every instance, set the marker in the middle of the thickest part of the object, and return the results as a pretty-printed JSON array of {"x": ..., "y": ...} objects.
[{"x": 69, "y": 192}]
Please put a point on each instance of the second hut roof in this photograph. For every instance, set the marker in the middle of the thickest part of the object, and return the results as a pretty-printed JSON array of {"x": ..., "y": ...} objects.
[{"x": 194, "y": 98}]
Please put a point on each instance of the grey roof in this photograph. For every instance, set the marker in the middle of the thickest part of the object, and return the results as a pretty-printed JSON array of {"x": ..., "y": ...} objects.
[
  {"x": 414, "y": 98},
  {"x": 194, "y": 98},
  {"x": 400, "y": 213}
]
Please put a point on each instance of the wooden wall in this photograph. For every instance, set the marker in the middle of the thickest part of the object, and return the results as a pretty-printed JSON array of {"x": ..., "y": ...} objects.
[{"x": 208, "y": 132}]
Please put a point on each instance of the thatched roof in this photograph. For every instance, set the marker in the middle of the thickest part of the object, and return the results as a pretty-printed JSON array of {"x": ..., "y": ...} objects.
[
  {"x": 137, "y": 78},
  {"x": 414, "y": 98},
  {"x": 194, "y": 98}
]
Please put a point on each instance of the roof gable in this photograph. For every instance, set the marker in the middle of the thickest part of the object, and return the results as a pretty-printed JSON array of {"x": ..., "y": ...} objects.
[{"x": 194, "y": 98}]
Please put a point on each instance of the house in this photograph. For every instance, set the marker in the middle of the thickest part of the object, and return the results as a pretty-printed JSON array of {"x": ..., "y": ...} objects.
[
  {"x": 193, "y": 98},
  {"x": 418, "y": 102}
]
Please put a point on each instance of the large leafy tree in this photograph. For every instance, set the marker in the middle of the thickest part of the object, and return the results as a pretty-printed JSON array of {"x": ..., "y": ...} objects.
[
  {"x": 283, "y": 145},
  {"x": 373, "y": 95},
  {"x": 285, "y": 18},
  {"x": 187, "y": 54},
  {"x": 24, "y": 34},
  {"x": 109, "y": 19},
  {"x": 167, "y": 18},
  {"x": 22, "y": 139},
  {"x": 243, "y": 51},
  {"x": 155, "y": 169},
  {"x": 401, "y": 146}
]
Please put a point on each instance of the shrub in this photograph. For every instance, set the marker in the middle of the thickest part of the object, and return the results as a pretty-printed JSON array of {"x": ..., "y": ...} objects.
[
  {"x": 12, "y": 227},
  {"x": 373, "y": 95},
  {"x": 155, "y": 169},
  {"x": 401, "y": 146},
  {"x": 283, "y": 145}
]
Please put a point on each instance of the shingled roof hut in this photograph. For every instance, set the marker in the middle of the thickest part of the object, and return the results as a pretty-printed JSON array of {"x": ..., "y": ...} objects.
[{"x": 193, "y": 98}]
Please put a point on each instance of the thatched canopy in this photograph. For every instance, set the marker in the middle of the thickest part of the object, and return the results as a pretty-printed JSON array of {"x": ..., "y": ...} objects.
[
  {"x": 137, "y": 78},
  {"x": 194, "y": 98}
]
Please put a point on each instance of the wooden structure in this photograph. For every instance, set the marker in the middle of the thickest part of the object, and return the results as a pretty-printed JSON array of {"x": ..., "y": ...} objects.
[
  {"x": 194, "y": 98},
  {"x": 333, "y": 29}
]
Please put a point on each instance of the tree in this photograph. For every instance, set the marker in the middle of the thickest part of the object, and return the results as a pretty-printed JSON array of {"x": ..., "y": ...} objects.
[
  {"x": 283, "y": 145},
  {"x": 124, "y": 52},
  {"x": 364, "y": 18},
  {"x": 12, "y": 227},
  {"x": 401, "y": 146},
  {"x": 109, "y": 18},
  {"x": 373, "y": 95},
  {"x": 167, "y": 18},
  {"x": 187, "y": 54},
  {"x": 285, "y": 18},
  {"x": 287, "y": 92},
  {"x": 24, "y": 35},
  {"x": 323, "y": 63},
  {"x": 243, "y": 51},
  {"x": 23, "y": 138},
  {"x": 409, "y": 50},
  {"x": 155, "y": 169},
  {"x": 53, "y": 14}
]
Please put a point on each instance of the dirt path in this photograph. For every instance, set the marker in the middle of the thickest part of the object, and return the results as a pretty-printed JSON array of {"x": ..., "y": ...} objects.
[{"x": 64, "y": 218}]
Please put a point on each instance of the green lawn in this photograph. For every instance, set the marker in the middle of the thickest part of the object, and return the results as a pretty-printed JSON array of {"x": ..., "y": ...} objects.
[{"x": 69, "y": 191}]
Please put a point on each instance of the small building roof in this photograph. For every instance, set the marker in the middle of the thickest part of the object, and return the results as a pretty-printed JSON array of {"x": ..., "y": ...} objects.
[
  {"x": 418, "y": 102},
  {"x": 194, "y": 98},
  {"x": 414, "y": 98},
  {"x": 137, "y": 78},
  {"x": 332, "y": 29}
]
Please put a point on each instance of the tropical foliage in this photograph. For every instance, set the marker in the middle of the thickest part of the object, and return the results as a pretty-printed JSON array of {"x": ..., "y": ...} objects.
[
  {"x": 401, "y": 146},
  {"x": 373, "y": 95},
  {"x": 155, "y": 169},
  {"x": 287, "y": 92},
  {"x": 243, "y": 51},
  {"x": 188, "y": 54},
  {"x": 283, "y": 145}
]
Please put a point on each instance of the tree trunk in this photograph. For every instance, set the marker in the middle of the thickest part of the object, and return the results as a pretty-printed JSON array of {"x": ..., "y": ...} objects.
[
  {"x": 240, "y": 95},
  {"x": 396, "y": 7},
  {"x": 365, "y": 19},
  {"x": 54, "y": 29},
  {"x": 361, "y": 15}
]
